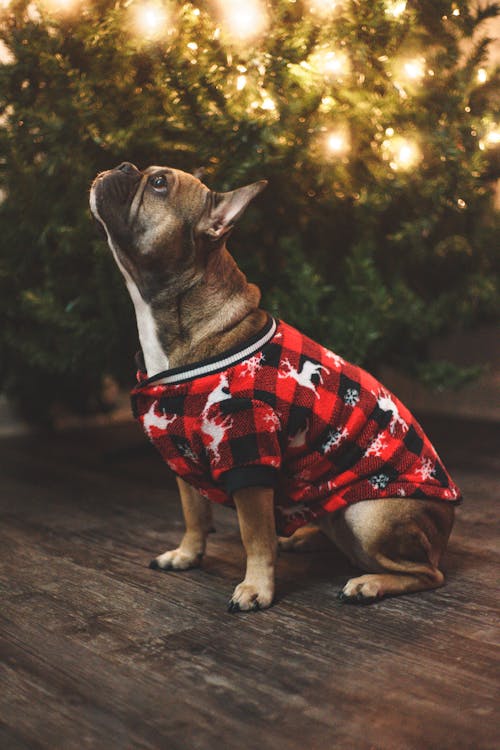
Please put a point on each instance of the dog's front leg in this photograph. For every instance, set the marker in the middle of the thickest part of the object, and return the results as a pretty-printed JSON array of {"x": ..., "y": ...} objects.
[
  {"x": 255, "y": 507},
  {"x": 197, "y": 512}
]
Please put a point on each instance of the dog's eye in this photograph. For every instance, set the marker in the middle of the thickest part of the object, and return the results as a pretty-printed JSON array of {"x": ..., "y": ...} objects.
[{"x": 158, "y": 182}]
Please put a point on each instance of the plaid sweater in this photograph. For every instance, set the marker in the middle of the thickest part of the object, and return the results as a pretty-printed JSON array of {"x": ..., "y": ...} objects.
[{"x": 285, "y": 412}]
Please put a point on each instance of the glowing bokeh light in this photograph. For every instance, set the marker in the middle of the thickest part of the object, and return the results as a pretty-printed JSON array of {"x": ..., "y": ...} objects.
[
  {"x": 241, "y": 82},
  {"x": 402, "y": 153},
  {"x": 414, "y": 69},
  {"x": 330, "y": 64},
  {"x": 337, "y": 143},
  {"x": 396, "y": 8},
  {"x": 59, "y": 6},
  {"x": 322, "y": 7},
  {"x": 151, "y": 20},
  {"x": 244, "y": 19}
]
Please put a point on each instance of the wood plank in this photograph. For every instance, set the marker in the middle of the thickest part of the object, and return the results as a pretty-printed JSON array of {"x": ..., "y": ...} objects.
[{"x": 99, "y": 651}]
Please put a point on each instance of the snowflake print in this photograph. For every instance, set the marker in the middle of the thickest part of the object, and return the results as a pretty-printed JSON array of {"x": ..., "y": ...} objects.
[
  {"x": 253, "y": 364},
  {"x": 376, "y": 446},
  {"x": 351, "y": 397},
  {"x": 426, "y": 469},
  {"x": 379, "y": 481},
  {"x": 335, "y": 437}
]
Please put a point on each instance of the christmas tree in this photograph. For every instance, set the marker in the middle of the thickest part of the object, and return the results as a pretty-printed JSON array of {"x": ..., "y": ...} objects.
[{"x": 372, "y": 119}]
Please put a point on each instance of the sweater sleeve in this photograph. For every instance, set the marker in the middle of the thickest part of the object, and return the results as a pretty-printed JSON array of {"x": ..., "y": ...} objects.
[{"x": 241, "y": 439}]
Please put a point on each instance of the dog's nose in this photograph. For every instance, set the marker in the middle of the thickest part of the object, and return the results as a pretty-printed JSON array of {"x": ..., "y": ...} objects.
[{"x": 127, "y": 167}]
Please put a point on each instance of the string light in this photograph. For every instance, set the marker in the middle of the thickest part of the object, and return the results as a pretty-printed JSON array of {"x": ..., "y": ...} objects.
[
  {"x": 244, "y": 19},
  {"x": 491, "y": 138},
  {"x": 6, "y": 56},
  {"x": 482, "y": 75},
  {"x": 268, "y": 104},
  {"x": 331, "y": 64},
  {"x": 150, "y": 20},
  {"x": 414, "y": 69},
  {"x": 322, "y": 7},
  {"x": 402, "y": 153},
  {"x": 60, "y": 6},
  {"x": 241, "y": 82},
  {"x": 337, "y": 143},
  {"x": 396, "y": 8}
]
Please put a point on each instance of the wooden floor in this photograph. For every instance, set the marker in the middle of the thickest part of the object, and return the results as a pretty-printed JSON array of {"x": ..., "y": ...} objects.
[{"x": 97, "y": 651}]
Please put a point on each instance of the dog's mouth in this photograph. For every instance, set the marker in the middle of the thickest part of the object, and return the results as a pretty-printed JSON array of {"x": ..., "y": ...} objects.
[{"x": 112, "y": 195}]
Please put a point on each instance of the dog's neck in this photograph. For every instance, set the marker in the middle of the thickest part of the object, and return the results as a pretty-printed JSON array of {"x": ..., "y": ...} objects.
[{"x": 196, "y": 317}]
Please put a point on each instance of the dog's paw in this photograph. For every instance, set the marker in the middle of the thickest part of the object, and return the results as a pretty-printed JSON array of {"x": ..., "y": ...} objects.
[
  {"x": 248, "y": 598},
  {"x": 176, "y": 559},
  {"x": 363, "y": 590}
]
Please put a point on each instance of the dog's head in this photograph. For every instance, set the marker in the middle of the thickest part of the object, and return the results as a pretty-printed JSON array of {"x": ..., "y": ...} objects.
[{"x": 162, "y": 220}]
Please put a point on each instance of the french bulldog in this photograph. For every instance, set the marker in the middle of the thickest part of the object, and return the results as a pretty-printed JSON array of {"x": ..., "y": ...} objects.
[{"x": 250, "y": 413}]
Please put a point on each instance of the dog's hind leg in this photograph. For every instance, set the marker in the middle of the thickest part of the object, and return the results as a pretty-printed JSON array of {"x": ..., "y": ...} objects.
[
  {"x": 197, "y": 512},
  {"x": 305, "y": 539},
  {"x": 397, "y": 541}
]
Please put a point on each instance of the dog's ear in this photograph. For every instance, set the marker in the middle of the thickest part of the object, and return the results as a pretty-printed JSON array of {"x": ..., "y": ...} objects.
[{"x": 223, "y": 209}]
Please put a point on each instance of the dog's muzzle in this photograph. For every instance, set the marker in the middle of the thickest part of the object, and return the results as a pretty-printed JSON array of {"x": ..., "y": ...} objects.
[{"x": 113, "y": 191}]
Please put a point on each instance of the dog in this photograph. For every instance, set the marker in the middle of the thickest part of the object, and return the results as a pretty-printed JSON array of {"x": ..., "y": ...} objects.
[{"x": 250, "y": 413}]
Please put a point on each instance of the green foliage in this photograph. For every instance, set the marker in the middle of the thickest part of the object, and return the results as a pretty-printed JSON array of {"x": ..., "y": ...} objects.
[{"x": 370, "y": 259}]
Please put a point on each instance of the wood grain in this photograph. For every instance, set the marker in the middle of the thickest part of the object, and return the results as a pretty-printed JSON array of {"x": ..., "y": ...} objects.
[{"x": 97, "y": 651}]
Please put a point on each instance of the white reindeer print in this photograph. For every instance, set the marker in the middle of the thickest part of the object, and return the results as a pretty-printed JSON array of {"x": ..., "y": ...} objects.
[
  {"x": 160, "y": 421},
  {"x": 299, "y": 439},
  {"x": 386, "y": 403},
  {"x": 304, "y": 377},
  {"x": 216, "y": 428},
  {"x": 220, "y": 393}
]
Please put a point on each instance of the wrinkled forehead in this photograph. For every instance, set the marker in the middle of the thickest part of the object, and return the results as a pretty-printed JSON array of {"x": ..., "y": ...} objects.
[
  {"x": 183, "y": 187},
  {"x": 177, "y": 176}
]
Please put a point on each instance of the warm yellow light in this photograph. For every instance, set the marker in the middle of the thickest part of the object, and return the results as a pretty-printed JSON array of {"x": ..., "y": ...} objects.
[
  {"x": 57, "y": 6},
  {"x": 389, "y": 132},
  {"x": 337, "y": 143},
  {"x": 414, "y": 69},
  {"x": 405, "y": 156},
  {"x": 402, "y": 153},
  {"x": 330, "y": 64},
  {"x": 322, "y": 7},
  {"x": 241, "y": 82},
  {"x": 244, "y": 19},
  {"x": 456, "y": 12},
  {"x": 150, "y": 19},
  {"x": 493, "y": 137},
  {"x": 482, "y": 75},
  {"x": 6, "y": 56},
  {"x": 268, "y": 104},
  {"x": 327, "y": 104},
  {"x": 396, "y": 8}
]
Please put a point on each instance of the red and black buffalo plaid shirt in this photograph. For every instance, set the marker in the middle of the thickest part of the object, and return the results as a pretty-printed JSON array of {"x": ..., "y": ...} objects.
[{"x": 285, "y": 412}]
